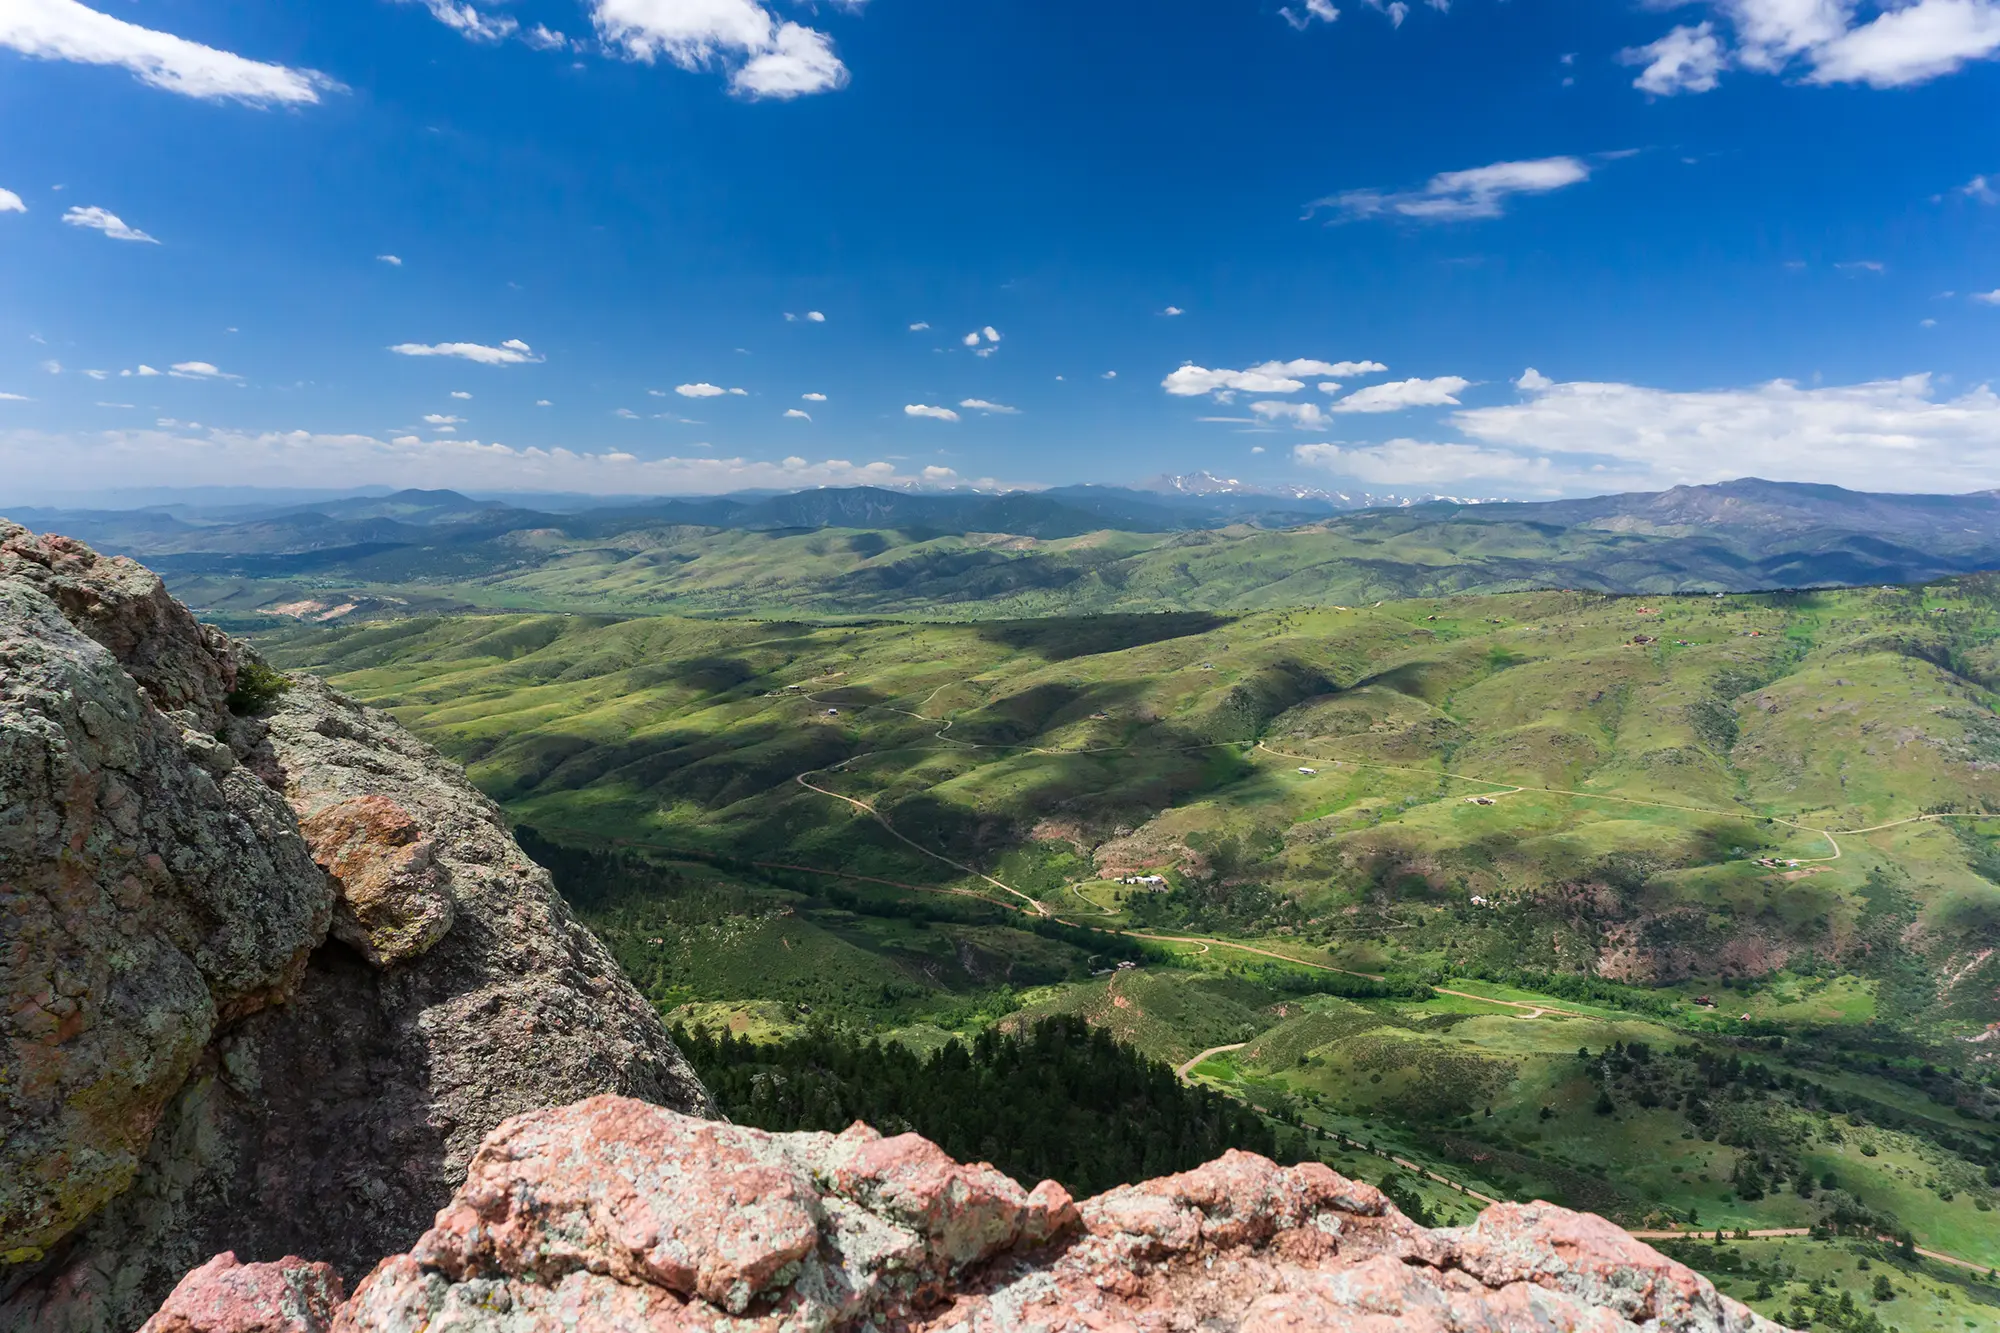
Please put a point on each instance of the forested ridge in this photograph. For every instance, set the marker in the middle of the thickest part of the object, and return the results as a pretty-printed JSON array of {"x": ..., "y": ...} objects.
[{"x": 1058, "y": 1100}]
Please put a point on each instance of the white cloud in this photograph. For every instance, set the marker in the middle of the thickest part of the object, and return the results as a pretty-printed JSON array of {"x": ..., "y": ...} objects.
[
  {"x": 1109, "y": 375},
  {"x": 1191, "y": 381},
  {"x": 98, "y": 219},
  {"x": 1988, "y": 298},
  {"x": 1256, "y": 448},
  {"x": 55, "y": 367},
  {"x": 66, "y": 30},
  {"x": 1173, "y": 310},
  {"x": 940, "y": 475},
  {"x": 1322, "y": 10},
  {"x": 393, "y": 261},
  {"x": 11, "y": 202},
  {"x": 1399, "y": 394},
  {"x": 1481, "y": 192},
  {"x": 925, "y": 410},
  {"x": 442, "y": 419},
  {"x": 460, "y": 393},
  {"x": 990, "y": 409},
  {"x": 513, "y": 352},
  {"x": 1303, "y": 416},
  {"x": 706, "y": 390},
  {"x": 919, "y": 326},
  {"x": 815, "y": 317},
  {"x": 1864, "y": 435},
  {"x": 989, "y": 335},
  {"x": 813, "y": 397},
  {"x": 181, "y": 455},
  {"x": 1533, "y": 381},
  {"x": 1902, "y": 42},
  {"x": 766, "y": 58},
  {"x": 1416, "y": 462},
  {"x": 200, "y": 370},
  {"x": 143, "y": 372},
  {"x": 1980, "y": 188},
  {"x": 1686, "y": 60},
  {"x": 795, "y": 413},
  {"x": 627, "y": 413},
  {"x": 1863, "y": 266},
  {"x": 545, "y": 39},
  {"x": 473, "y": 23},
  {"x": 15, "y": 398},
  {"x": 543, "y": 402}
]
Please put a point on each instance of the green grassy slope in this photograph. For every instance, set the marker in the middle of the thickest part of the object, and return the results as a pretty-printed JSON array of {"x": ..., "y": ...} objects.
[
  {"x": 1354, "y": 558},
  {"x": 1726, "y": 831}
]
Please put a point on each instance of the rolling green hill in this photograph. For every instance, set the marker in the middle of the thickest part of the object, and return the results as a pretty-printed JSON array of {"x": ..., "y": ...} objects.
[{"x": 1678, "y": 909}]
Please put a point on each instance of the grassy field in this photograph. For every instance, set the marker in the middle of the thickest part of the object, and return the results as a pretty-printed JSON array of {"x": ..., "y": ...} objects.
[{"x": 1443, "y": 868}]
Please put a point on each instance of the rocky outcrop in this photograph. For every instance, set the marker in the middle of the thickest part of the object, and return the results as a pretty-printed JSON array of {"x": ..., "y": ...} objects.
[
  {"x": 270, "y": 978},
  {"x": 613, "y": 1215}
]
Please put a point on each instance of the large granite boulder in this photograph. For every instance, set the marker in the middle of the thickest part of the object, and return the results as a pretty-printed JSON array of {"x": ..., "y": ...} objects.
[{"x": 272, "y": 974}]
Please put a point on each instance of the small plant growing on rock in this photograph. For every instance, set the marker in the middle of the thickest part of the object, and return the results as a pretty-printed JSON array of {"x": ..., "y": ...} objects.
[{"x": 257, "y": 688}]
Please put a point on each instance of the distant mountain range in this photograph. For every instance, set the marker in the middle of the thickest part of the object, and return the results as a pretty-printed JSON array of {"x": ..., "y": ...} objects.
[{"x": 1173, "y": 543}]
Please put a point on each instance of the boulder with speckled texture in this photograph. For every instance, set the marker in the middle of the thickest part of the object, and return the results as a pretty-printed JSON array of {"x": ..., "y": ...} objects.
[
  {"x": 612, "y": 1216},
  {"x": 194, "y": 1063}
]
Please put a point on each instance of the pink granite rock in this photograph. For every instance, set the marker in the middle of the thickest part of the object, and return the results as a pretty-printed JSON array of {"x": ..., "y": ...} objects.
[
  {"x": 224, "y": 1296},
  {"x": 615, "y": 1216}
]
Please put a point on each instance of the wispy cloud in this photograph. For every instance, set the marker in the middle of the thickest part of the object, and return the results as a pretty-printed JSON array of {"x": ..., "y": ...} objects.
[
  {"x": 513, "y": 352},
  {"x": 810, "y": 317},
  {"x": 1452, "y": 196},
  {"x": 98, "y": 219},
  {"x": 200, "y": 370},
  {"x": 926, "y": 410},
  {"x": 1191, "y": 381},
  {"x": 990, "y": 409},
  {"x": 393, "y": 261},
  {"x": 473, "y": 23},
  {"x": 67, "y": 30},
  {"x": 797, "y": 415}
]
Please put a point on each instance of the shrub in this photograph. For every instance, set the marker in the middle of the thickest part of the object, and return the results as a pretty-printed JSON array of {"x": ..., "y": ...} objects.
[{"x": 257, "y": 688}]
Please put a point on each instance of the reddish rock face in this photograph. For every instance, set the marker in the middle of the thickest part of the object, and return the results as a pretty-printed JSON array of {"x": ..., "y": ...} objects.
[
  {"x": 393, "y": 901},
  {"x": 615, "y": 1216},
  {"x": 223, "y": 1296}
]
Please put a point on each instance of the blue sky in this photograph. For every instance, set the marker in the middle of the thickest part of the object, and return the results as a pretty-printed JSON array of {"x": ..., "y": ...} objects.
[{"x": 680, "y": 246}]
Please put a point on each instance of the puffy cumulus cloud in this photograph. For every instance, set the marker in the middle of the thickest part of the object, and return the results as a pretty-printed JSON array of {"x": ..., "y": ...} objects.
[
  {"x": 67, "y": 30},
  {"x": 764, "y": 56},
  {"x": 926, "y": 410},
  {"x": 1690, "y": 59},
  {"x": 1451, "y": 196},
  {"x": 1882, "y": 432},
  {"x": 990, "y": 409},
  {"x": 187, "y": 454},
  {"x": 1191, "y": 381},
  {"x": 1303, "y": 416},
  {"x": 11, "y": 202},
  {"x": 796, "y": 414},
  {"x": 460, "y": 393},
  {"x": 984, "y": 342},
  {"x": 199, "y": 370},
  {"x": 513, "y": 352},
  {"x": 919, "y": 326},
  {"x": 1173, "y": 310},
  {"x": 1988, "y": 298},
  {"x": 142, "y": 372},
  {"x": 442, "y": 419},
  {"x": 393, "y": 261},
  {"x": 810, "y": 317},
  {"x": 1891, "y": 44},
  {"x": 707, "y": 390},
  {"x": 1399, "y": 394},
  {"x": 940, "y": 476},
  {"x": 1416, "y": 462},
  {"x": 99, "y": 219},
  {"x": 812, "y": 397}
]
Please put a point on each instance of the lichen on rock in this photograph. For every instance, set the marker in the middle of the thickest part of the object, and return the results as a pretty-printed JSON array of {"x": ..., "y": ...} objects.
[
  {"x": 611, "y": 1216},
  {"x": 212, "y": 1043}
]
